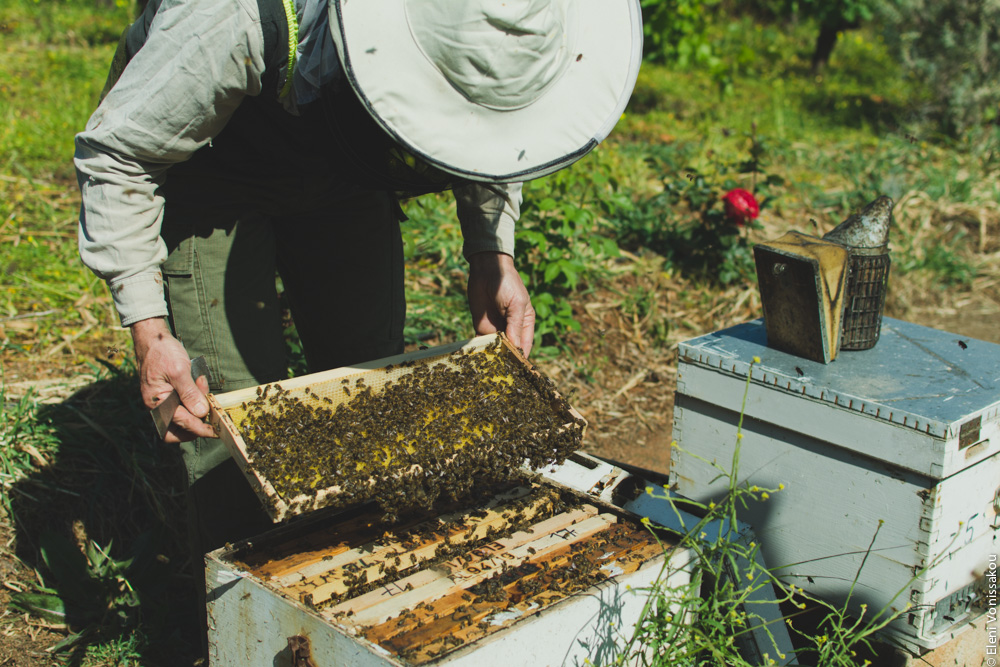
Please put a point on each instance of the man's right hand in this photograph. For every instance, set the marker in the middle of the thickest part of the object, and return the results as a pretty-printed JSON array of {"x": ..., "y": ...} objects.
[{"x": 164, "y": 366}]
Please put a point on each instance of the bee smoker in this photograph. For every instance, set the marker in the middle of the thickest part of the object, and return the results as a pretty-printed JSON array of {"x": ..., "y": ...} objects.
[{"x": 866, "y": 237}]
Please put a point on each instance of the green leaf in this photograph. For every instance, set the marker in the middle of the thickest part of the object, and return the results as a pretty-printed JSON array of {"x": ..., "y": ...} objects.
[
  {"x": 48, "y": 607},
  {"x": 544, "y": 298},
  {"x": 71, "y": 640},
  {"x": 569, "y": 269},
  {"x": 72, "y": 574},
  {"x": 551, "y": 271},
  {"x": 611, "y": 248},
  {"x": 547, "y": 204},
  {"x": 95, "y": 555}
]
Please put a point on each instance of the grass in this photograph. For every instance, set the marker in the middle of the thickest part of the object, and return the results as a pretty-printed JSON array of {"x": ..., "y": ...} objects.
[
  {"x": 87, "y": 466},
  {"x": 50, "y": 78},
  {"x": 26, "y": 441}
]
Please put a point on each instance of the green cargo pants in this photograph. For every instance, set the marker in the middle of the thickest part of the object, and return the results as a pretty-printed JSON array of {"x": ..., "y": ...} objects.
[{"x": 342, "y": 272}]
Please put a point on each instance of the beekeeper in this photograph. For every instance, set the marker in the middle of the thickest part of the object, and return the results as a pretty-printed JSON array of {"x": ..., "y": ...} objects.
[{"x": 241, "y": 139}]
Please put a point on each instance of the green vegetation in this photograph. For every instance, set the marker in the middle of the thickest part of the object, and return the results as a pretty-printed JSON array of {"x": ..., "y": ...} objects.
[
  {"x": 955, "y": 47},
  {"x": 637, "y": 228},
  {"x": 91, "y": 590}
]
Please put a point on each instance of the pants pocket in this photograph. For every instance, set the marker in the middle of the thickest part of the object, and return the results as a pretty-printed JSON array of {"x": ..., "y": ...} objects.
[{"x": 180, "y": 250}]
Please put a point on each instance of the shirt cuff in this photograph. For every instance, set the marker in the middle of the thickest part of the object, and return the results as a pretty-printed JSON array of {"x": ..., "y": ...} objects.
[
  {"x": 139, "y": 297},
  {"x": 488, "y": 215},
  {"x": 480, "y": 237}
]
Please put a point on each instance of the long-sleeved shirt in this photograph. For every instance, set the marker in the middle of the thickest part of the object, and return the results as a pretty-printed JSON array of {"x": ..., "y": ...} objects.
[{"x": 201, "y": 59}]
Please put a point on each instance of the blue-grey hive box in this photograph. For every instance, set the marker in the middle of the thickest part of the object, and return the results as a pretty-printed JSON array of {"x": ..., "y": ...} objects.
[{"x": 899, "y": 442}]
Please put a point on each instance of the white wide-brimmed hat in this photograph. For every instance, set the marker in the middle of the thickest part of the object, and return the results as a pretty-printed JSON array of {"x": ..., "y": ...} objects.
[{"x": 491, "y": 90}]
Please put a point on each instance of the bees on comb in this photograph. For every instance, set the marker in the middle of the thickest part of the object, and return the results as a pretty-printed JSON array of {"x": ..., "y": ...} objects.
[{"x": 439, "y": 430}]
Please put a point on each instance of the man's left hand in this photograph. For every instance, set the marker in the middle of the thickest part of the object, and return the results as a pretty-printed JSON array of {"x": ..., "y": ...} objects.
[{"x": 498, "y": 299}]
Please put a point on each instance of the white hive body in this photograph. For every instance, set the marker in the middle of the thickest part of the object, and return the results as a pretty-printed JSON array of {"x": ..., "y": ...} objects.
[
  {"x": 902, "y": 441},
  {"x": 266, "y": 596}
]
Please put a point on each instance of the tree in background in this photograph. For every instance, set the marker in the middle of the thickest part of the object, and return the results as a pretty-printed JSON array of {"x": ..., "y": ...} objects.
[
  {"x": 674, "y": 31},
  {"x": 954, "y": 47},
  {"x": 832, "y": 16}
]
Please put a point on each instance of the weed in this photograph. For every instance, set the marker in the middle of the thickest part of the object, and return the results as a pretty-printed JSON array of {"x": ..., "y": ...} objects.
[
  {"x": 90, "y": 593},
  {"x": 563, "y": 244},
  {"x": 686, "y": 223},
  {"x": 46, "y": 96},
  {"x": 436, "y": 272},
  {"x": 642, "y": 307},
  {"x": 105, "y": 477},
  {"x": 26, "y": 440},
  {"x": 942, "y": 261}
]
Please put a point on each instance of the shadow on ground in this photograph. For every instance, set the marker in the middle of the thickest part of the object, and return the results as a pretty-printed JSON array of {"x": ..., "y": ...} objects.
[{"x": 104, "y": 524}]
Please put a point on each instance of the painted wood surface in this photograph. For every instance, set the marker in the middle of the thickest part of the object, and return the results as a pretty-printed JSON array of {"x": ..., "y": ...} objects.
[
  {"x": 906, "y": 401},
  {"x": 249, "y": 625},
  {"x": 817, "y": 530}
]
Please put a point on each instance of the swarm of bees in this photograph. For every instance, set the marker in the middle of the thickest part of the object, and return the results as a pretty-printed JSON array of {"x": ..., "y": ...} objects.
[{"x": 438, "y": 431}]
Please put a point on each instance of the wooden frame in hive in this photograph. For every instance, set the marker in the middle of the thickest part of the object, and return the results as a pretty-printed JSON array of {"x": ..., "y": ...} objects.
[
  {"x": 481, "y": 599},
  {"x": 334, "y": 386}
]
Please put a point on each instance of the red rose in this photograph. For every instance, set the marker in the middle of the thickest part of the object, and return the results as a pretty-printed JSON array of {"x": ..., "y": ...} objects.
[{"x": 740, "y": 206}]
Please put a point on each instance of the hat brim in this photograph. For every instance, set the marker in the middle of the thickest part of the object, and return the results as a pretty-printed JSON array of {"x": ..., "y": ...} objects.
[{"x": 410, "y": 99}]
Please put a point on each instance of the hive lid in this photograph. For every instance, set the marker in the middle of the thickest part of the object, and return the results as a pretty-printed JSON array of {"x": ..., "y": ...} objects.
[{"x": 937, "y": 383}]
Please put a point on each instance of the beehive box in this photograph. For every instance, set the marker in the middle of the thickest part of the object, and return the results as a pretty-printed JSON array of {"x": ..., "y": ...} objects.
[
  {"x": 538, "y": 574},
  {"x": 488, "y": 377},
  {"x": 905, "y": 433}
]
